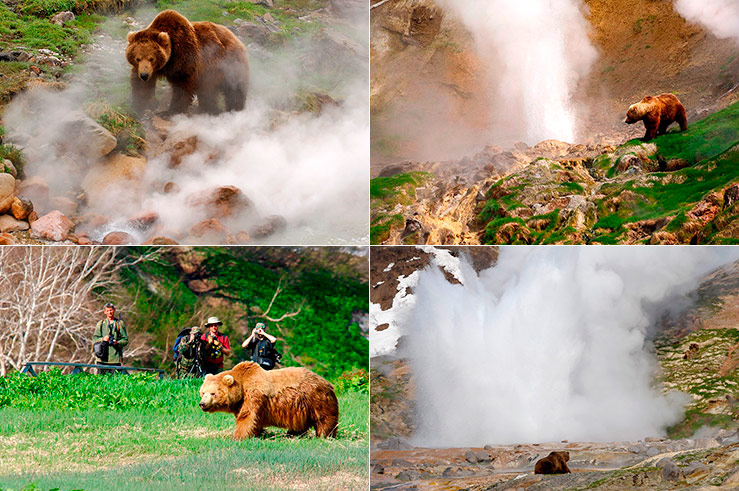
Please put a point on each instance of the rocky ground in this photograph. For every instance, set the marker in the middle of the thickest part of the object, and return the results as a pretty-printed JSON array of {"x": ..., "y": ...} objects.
[
  {"x": 680, "y": 188},
  {"x": 106, "y": 152},
  {"x": 697, "y": 353}
]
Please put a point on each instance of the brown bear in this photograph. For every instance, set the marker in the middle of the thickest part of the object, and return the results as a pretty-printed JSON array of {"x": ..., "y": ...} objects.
[
  {"x": 554, "y": 463},
  {"x": 198, "y": 58},
  {"x": 657, "y": 113},
  {"x": 293, "y": 398}
]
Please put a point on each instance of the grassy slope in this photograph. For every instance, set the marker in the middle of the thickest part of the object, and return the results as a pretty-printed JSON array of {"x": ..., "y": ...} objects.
[
  {"x": 385, "y": 193},
  {"x": 150, "y": 434}
]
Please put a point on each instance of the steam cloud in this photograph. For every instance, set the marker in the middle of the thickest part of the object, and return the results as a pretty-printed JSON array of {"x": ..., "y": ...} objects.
[
  {"x": 549, "y": 344},
  {"x": 537, "y": 52},
  {"x": 721, "y": 17},
  {"x": 309, "y": 168}
]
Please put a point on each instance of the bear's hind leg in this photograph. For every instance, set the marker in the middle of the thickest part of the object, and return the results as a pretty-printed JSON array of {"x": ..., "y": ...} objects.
[
  {"x": 682, "y": 118},
  {"x": 235, "y": 98}
]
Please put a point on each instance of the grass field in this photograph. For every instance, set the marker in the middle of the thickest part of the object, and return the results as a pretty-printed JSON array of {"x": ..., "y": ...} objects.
[{"x": 135, "y": 432}]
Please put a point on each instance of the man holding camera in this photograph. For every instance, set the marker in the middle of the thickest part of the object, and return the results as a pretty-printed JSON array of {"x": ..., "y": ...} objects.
[
  {"x": 188, "y": 360},
  {"x": 216, "y": 346},
  {"x": 112, "y": 335},
  {"x": 262, "y": 347}
]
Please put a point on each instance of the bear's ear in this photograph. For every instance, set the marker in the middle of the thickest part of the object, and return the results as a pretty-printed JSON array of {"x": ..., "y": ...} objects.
[
  {"x": 163, "y": 39},
  {"x": 228, "y": 380},
  {"x": 207, "y": 376},
  {"x": 130, "y": 36}
]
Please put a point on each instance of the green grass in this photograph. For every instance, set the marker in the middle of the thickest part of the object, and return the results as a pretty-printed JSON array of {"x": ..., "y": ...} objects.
[
  {"x": 142, "y": 433},
  {"x": 382, "y": 225},
  {"x": 399, "y": 188}
]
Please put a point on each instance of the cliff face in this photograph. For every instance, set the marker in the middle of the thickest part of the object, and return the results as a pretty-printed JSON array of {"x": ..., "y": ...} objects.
[{"x": 430, "y": 91}]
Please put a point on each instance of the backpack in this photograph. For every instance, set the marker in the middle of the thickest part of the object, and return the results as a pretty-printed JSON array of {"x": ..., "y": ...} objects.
[{"x": 183, "y": 333}]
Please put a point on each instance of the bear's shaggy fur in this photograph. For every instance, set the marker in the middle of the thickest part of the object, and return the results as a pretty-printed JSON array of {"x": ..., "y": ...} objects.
[
  {"x": 293, "y": 398},
  {"x": 657, "y": 113},
  {"x": 554, "y": 463},
  {"x": 198, "y": 58}
]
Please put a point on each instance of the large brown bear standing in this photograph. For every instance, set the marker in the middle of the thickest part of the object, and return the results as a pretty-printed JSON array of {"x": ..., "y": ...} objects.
[
  {"x": 657, "y": 113},
  {"x": 199, "y": 58},
  {"x": 292, "y": 398},
  {"x": 554, "y": 463}
]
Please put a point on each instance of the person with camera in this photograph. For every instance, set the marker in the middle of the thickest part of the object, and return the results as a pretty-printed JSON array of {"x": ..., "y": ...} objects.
[
  {"x": 215, "y": 347},
  {"x": 262, "y": 347},
  {"x": 109, "y": 338},
  {"x": 188, "y": 354}
]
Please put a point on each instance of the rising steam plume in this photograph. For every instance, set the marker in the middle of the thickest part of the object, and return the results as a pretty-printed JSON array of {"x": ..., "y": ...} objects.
[
  {"x": 721, "y": 17},
  {"x": 549, "y": 344},
  {"x": 536, "y": 52}
]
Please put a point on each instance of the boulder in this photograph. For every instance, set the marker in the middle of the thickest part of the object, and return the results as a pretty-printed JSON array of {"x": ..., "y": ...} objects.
[
  {"x": 36, "y": 189},
  {"x": 120, "y": 174},
  {"x": 269, "y": 226},
  {"x": 63, "y": 204},
  {"x": 9, "y": 168},
  {"x": 143, "y": 221},
  {"x": 52, "y": 226},
  {"x": 212, "y": 231},
  {"x": 118, "y": 238},
  {"x": 670, "y": 471},
  {"x": 160, "y": 241},
  {"x": 480, "y": 457},
  {"x": 220, "y": 202},
  {"x": 696, "y": 471},
  {"x": 21, "y": 208},
  {"x": 10, "y": 224},
  {"x": 90, "y": 139},
  {"x": 7, "y": 192}
]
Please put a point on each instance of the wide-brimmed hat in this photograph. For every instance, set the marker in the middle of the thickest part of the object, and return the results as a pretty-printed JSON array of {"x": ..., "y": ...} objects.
[
  {"x": 213, "y": 320},
  {"x": 195, "y": 329},
  {"x": 260, "y": 325}
]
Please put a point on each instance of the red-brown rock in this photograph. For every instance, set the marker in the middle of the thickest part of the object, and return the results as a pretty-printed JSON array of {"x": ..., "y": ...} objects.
[
  {"x": 21, "y": 208},
  {"x": 7, "y": 239},
  {"x": 221, "y": 202},
  {"x": 52, "y": 226},
  {"x": 117, "y": 238}
]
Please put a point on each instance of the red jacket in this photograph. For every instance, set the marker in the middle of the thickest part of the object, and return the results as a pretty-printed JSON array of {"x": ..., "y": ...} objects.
[{"x": 224, "y": 341}]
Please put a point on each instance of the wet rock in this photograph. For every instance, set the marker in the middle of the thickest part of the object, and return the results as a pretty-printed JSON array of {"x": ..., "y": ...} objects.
[
  {"x": 118, "y": 238},
  {"x": 36, "y": 189},
  {"x": 63, "y": 204},
  {"x": 269, "y": 226},
  {"x": 84, "y": 240},
  {"x": 120, "y": 174},
  {"x": 221, "y": 202},
  {"x": 9, "y": 168},
  {"x": 479, "y": 457},
  {"x": 21, "y": 208},
  {"x": 670, "y": 471},
  {"x": 10, "y": 224},
  {"x": 7, "y": 239},
  {"x": 179, "y": 149},
  {"x": 161, "y": 241},
  {"x": 90, "y": 139},
  {"x": 52, "y": 226},
  {"x": 171, "y": 188},
  {"x": 212, "y": 231},
  {"x": 143, "y": 221},
  {"x": 7, "y": 192},
  {"x": 62, "y": 18},
  {"x": 696, "y": 471},
  {"x": 408, "y": 475},
  {"x": 394, "y": 443}
]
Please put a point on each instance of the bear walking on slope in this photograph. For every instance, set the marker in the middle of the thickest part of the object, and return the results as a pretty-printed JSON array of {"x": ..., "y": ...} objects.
[
  {"x": 657, "y": 113},
  {"x": 554, "y": 463},
  {"x": 293, "y": 398},
  {"x": 198, "y": 58}
]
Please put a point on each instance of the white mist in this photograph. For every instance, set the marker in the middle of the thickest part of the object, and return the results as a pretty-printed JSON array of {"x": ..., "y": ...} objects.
[
  {"x": 549, "y": 344},
  {"x": 721, "y": 17},
  {"x": 536, "y": 51}
]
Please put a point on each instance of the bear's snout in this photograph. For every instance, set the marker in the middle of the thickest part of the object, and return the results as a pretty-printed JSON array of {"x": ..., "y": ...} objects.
[{"x": 144, "y": 76}]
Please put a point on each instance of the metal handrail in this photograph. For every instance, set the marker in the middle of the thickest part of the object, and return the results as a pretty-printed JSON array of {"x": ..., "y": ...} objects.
[{"x": 28, "y": 368}]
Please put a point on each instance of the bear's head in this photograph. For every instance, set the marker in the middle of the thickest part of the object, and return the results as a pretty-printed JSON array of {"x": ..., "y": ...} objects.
[
  {"x": 637, "y": 111},
  {"x": 220, "y": 393},
  {"x": 148, "y": 51}
]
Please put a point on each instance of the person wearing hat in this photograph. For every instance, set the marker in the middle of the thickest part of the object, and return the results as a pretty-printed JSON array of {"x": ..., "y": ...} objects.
[
  {"x": 112, "y": 331},
  {"x": 188, "y": 361},
  {"x": 262, "y": 347},
  {"x": 216, "y": 346}
]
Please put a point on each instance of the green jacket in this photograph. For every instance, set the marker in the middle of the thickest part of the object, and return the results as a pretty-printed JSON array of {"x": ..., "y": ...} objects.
[{"x": 102, "y": 329}]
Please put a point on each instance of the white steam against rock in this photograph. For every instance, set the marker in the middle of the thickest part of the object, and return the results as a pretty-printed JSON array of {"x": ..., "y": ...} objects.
[
  {"x": 549, "y": 344},
  {"x": 537, "y": 51},
  {"x": 721, "y": 17}
]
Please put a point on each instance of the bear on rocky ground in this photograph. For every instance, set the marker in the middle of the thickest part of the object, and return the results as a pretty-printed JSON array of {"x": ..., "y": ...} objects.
[
  {"x": 554, "y": 463},
  {"x": 293, "y": 398},
  {"x": 198, "y": 58},
  {"x": 657, "y": 113}
]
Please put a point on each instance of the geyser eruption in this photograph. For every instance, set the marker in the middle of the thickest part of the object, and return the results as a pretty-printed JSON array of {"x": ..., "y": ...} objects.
[
  {"x": 549, "y": 344},
  {"x": 537, "y": 51},
  {"x": 721, "y": 17}
]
